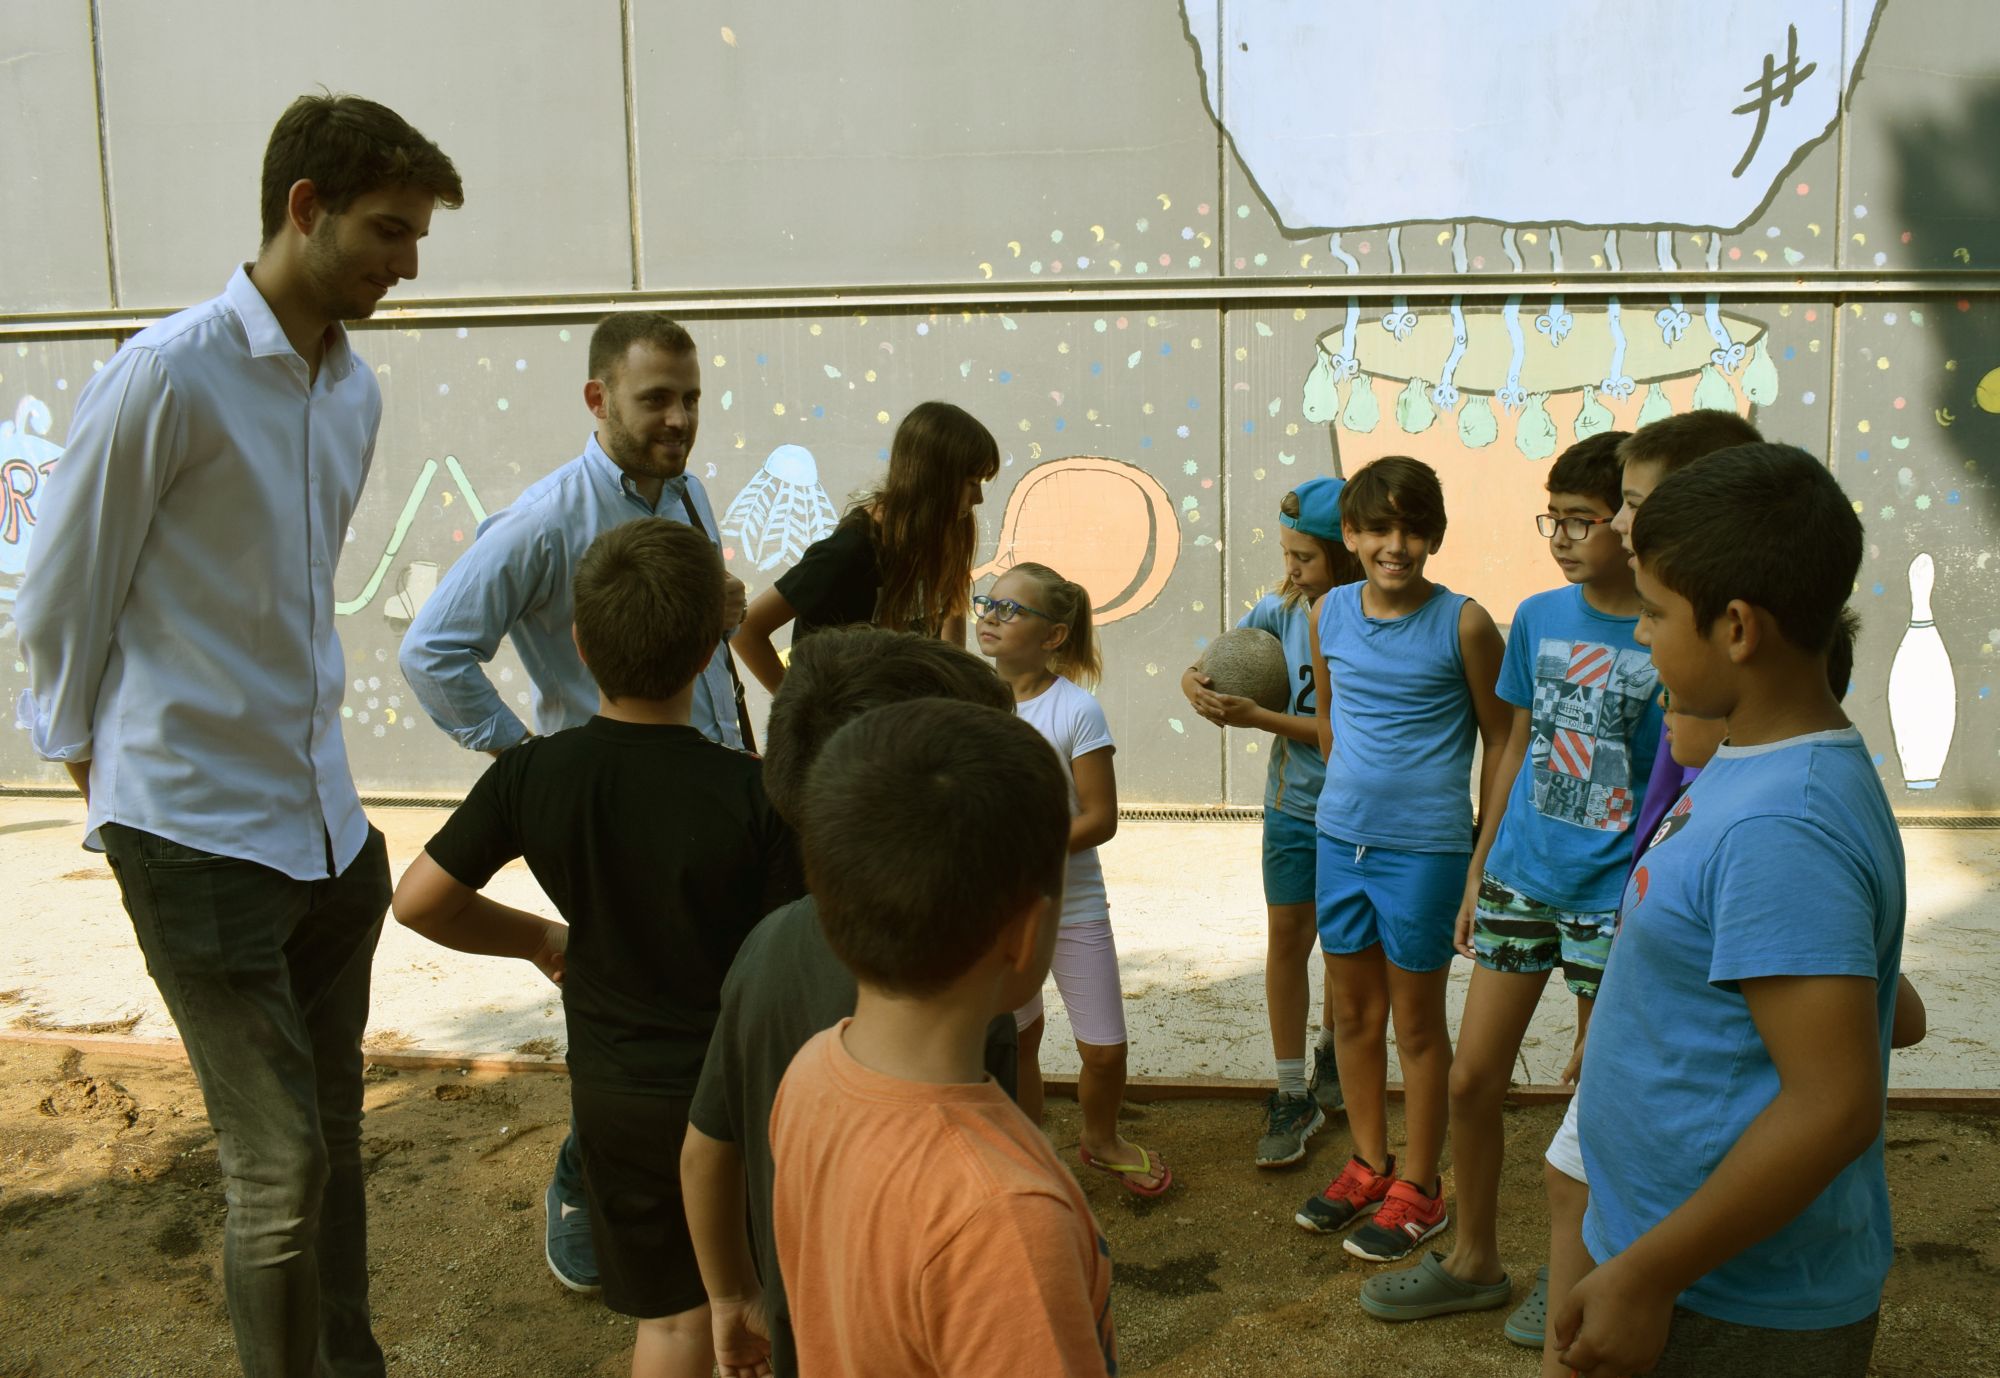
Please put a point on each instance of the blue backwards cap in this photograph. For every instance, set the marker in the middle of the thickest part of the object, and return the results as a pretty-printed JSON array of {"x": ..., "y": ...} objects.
[{"x": 1319, "y": 509}]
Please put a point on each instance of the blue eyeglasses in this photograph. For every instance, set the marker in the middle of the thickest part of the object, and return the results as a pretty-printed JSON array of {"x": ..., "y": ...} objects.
[{"x": 1003, "y": 609}]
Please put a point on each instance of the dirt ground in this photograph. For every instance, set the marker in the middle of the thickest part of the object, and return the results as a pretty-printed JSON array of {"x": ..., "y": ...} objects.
[{"x": 111, "y": 1235}]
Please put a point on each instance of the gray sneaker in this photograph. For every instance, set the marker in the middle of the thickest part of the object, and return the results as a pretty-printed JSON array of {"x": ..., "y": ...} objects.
[
  {"x": 1290, "y": 1121},
  {"x": 1324, "y": 1084}
]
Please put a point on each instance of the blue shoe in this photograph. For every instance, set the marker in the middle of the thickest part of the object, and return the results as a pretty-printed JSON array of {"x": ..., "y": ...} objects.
[{"x": 566, "y": 1244}]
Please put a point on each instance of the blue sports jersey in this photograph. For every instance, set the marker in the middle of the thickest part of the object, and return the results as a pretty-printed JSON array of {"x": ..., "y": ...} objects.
[
  {"x": 1403, "y": 725},
  {"x": 1780, "y": 860},
  {"x": 1297, "y": 771},
  {"x": 1593, "y": 701}
]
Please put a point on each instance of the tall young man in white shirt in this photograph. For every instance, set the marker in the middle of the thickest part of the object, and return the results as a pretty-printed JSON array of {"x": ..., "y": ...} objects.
[
  {"x": 177, "y": 624},
  {"x": 644, "y": 390}
]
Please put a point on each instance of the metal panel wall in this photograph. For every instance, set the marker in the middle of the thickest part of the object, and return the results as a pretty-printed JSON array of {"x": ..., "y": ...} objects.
[{"x": 1098, "y": 230}]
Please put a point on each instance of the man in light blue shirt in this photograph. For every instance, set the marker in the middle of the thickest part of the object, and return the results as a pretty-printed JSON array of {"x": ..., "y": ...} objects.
[
  {"x": 515, "y": 581},
  {"x": 177, "y": 625}
]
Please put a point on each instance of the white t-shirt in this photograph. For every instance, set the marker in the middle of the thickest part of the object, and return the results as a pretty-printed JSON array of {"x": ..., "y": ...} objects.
[{"x": 1073, "y": 722}]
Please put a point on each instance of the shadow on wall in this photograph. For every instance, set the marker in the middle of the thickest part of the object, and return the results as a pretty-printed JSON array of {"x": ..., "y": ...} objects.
[{"x": 1949, "y": 179}]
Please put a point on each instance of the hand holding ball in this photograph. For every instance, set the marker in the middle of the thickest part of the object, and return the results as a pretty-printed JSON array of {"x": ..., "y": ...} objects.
[{"x": 1249, "y": 663}]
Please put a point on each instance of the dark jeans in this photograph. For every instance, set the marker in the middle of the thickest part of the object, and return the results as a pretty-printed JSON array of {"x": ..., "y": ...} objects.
[
  {"x": 266, "y": 978},
  {"x": 1699, "y": 1346}
]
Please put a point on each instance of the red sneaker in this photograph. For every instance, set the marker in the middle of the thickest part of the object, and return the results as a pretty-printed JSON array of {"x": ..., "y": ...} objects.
[
  {"x": 1406, "y": 1219},
  {"x": 1356, "y": 1192}
]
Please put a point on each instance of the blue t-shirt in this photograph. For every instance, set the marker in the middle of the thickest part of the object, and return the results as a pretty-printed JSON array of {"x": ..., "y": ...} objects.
[
  {"x": 1593, "y": 701},
  {"x": 1780, "y": 860},
  {"x": 1297, "y": 770},
  {"x": 1403, "y": 726}
]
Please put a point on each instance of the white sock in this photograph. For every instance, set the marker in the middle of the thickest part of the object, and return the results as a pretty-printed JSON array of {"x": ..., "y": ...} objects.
[
  {"x": 1323, "y": 1040},
  {"x": 1291, "y": 1076}
]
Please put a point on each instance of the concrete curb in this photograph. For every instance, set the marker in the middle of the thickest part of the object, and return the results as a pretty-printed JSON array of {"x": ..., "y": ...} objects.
[{"x": 1140, "y": 1090}]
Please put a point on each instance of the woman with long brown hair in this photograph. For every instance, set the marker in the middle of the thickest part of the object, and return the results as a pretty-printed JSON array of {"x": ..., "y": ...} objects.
[{"x": 902, "y": 556}]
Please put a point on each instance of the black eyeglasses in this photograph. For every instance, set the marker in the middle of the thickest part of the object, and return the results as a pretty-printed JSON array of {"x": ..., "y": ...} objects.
[
  {"x": 1004, "y": 609},
  {"x": 1576, "y": 528}
]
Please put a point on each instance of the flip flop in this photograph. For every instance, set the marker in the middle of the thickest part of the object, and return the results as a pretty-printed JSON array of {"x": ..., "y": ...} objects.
[
  {"x": 1531, "y": 1318},
  {"x": 1122, "y": 1172},
  {"x": 1411, "y": 1294}
]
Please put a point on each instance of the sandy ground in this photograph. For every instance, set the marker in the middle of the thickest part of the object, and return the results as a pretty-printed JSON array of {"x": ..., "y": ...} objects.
[
  {"x": 111, "y": 1220},
  {"x": 1187, "y": 904}
]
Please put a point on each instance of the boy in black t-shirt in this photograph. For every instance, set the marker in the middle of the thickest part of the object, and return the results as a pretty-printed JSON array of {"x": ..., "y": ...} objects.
[
  {"x": 660, "y": 849},
  {"x": 787, "y": 985}
]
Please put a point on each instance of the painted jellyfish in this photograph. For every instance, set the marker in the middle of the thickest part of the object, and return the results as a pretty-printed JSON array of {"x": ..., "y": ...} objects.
[
  {"x": 782, "y": 510},
  {"x": 1727, "y": 108},
  {"x": 27, "y": 458}
]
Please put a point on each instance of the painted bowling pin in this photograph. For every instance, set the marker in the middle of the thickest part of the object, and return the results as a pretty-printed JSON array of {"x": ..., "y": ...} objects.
[{"x": 1923, "y": 695}]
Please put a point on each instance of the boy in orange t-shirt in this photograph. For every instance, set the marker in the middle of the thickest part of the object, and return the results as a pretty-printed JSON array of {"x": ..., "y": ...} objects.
[{"x": 924, "y": 1225}]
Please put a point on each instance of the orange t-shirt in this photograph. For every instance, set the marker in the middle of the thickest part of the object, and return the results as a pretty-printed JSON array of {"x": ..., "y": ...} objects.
[{"x": 926, "y": 1229}]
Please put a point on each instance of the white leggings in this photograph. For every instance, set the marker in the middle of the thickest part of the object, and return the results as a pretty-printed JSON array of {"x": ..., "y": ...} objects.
[{"x": 1086, "y": 971}]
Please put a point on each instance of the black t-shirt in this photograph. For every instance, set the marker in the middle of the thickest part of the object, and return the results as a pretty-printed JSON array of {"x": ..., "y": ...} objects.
[
  {"x": 836, "y": 582},
  {"x": 786, "y": 986},
  {"x": 660, "y": 850}
]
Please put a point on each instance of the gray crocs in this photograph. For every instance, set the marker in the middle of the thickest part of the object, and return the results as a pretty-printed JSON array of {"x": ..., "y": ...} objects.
[
  {"x": 1531, "y": 1318},
  {"x": 1411, "y": 1294}
]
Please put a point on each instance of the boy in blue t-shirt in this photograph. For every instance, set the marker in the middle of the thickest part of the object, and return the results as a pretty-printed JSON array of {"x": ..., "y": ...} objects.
[
  {"x": 1586, "y": 720},
  {"x": 1732, "y": 1130}
]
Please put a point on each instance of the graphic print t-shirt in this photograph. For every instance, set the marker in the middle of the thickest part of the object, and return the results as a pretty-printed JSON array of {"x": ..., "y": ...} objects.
[
  {"x": 1297, "y": 770},
  {"x": 1593, "y": 701}
]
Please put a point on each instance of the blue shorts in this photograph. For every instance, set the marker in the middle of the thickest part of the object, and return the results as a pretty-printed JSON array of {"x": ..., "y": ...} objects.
[
  {"x": 1291, "y": 858},
  {"x": 1406, "y": 901}
]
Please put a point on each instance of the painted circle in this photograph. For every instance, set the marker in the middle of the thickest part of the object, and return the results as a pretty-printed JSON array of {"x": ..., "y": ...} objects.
[{"x": 1987, "y": 394}]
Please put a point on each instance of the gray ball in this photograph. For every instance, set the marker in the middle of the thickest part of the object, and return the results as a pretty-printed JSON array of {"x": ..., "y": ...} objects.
[{"x": 1249, "y": 662}]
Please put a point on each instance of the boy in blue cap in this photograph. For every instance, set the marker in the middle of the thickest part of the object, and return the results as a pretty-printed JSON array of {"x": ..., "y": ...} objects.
[{"x": 1315, "y": 561}]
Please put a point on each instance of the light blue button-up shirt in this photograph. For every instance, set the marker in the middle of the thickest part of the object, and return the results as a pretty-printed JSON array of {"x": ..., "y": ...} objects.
[
  {"x": 177, "y": 617},
  {"x": 515, "y": 581}
]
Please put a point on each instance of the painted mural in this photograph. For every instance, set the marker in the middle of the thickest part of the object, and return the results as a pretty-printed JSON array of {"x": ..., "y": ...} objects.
[{"x": 1146, "y": 445}]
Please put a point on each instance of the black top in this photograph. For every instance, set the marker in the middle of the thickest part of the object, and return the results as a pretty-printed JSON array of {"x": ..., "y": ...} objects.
[
  {"x": 660, "y": 850},
  {"x": 785, "y": 987},
  {"x": 836, "y": 582}
]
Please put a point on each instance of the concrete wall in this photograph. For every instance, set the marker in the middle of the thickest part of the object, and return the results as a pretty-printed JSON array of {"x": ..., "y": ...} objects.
[{"x": 1160, "y": 250}]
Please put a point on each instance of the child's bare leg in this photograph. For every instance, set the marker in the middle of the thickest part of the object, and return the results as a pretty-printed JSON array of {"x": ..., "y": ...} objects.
[
  {"x": 676, "y": 1346},
  {"x": 1423, "y": 1044},
  {"x": 1100, "y": 1091},
  {"x": 1326, "y": 996},
  {"x": 1568, "y": 1259},
  {"x": 1358, "y": 987},
  {"x": 1291, "y": 932},
  {"x": 1030, "y": 1097},
  {"x": 1498, "y": 1007}
]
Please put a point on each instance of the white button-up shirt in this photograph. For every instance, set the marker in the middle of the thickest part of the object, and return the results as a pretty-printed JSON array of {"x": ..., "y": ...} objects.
[{"x": 177, "y": 615}]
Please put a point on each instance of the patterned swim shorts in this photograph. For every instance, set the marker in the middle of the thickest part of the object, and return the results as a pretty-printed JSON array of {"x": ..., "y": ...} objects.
[{"x": 1511, "y": 932}]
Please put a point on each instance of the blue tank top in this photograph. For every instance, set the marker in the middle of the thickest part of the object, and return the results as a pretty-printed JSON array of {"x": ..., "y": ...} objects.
[
  {"x": 1403, "y": 726},
  {"x": 1297, "y": 771}
]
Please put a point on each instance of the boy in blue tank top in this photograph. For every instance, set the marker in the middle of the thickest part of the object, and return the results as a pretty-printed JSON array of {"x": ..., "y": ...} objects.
[
  {"x": 1586, "y": 719},
  {"x": 1404, "y": 671},
  {"x": 1736, "y": 1065}
]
